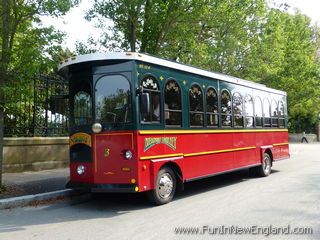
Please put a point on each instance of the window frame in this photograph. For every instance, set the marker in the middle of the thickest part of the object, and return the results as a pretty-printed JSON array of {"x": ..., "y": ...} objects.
[
  {"x": 284, "y": 115},
  {"x": 245, "y": 112},
  {"x": 130, "y": 111},
  {"x": 255, "y": 112},
  {"x": 240, "y": 116},
  {"x": 274, "y": 118},
  {"x": 146, "y": 90},
  {"x": 171, "y": 110},
  {"x": 265, "y": 123},
  {"x": 223, "y": 114},
  {"x": 74, "y": 115},
  {"x": 75, "y": 80},
  {"x": 196, "y": 112},
  {"x": 212, "y": 113}
]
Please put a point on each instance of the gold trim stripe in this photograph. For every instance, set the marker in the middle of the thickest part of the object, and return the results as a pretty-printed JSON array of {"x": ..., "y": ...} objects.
[
  {"x": 219, "y": 151},
  {"x": 144, "y": 132},
  {"x": 280, "y": 144},
  {"x": 196, "y": 154},
  {"x": 162, "y": 156}
]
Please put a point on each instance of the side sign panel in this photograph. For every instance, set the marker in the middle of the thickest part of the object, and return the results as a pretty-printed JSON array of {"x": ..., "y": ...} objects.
[{"x": 169, "y": 141}]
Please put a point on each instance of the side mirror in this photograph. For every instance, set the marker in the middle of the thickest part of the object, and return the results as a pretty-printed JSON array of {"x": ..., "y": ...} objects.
[
  {"x": 145, "y": 104},
  {"x": 59, "y": 104}
]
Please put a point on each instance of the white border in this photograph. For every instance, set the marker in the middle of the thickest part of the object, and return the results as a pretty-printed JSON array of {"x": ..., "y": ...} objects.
[{"x": 164, "y": 63}]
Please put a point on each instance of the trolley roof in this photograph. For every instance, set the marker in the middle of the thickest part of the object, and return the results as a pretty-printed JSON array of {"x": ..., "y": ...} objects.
[{"x": 165, "y": 63}]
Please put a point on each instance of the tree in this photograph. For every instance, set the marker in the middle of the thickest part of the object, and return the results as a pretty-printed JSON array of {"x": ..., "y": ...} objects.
[
  {"x": 285, "y": 57},
  {"x": 246, "y": 39},
  {"x": 20, "y": 40},
  {"x": 144, "y": 25},
  {"x": 206, "y": 33},
  {"x": 225, "y": 35}
]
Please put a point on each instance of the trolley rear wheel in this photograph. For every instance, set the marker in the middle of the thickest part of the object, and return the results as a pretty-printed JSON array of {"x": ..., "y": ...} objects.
[{"x": 264, "y": 169}]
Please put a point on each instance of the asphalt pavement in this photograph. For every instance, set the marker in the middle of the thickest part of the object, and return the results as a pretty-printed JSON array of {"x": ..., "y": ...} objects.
[{"x": 30, "y": 183}]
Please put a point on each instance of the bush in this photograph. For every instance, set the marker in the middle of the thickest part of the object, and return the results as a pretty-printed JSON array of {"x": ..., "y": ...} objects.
[{"x": 2, "y": 189}]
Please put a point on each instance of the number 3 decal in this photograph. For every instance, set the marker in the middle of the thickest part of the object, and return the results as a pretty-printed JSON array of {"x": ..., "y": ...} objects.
[{"x": 106, "y": 152}]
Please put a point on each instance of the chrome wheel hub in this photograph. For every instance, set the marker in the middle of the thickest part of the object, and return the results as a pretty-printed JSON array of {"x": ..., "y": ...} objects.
[
  {"x": 165, "y": 185},
  {"x": 267, "y": 165}
]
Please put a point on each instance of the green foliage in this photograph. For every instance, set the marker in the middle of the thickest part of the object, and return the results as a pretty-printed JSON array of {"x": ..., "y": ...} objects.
[
  {"x": 2, "y": 189},
  {"x": 285, "y": 58},
  {"x": 144, "y": 25},
  {"x": 91, "y": 46},
  {"x": 27, "y": 47},
  {"x": 246, "y": 39},
  {"x": 30, "y": 50}
]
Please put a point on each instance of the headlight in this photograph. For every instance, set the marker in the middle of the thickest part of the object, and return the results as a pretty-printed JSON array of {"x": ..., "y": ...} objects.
[
  {"x": 96, "y": 127},
  {"x": 80, "y": 169},
  {"x": 128, "y": 154}
]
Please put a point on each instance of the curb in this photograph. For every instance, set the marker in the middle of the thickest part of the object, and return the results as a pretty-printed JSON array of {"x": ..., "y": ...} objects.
[{"x": 41, "y": 198}]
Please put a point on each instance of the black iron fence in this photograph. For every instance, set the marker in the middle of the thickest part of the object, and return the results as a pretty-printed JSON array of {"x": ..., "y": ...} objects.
[{"x": 27, "y": 106}]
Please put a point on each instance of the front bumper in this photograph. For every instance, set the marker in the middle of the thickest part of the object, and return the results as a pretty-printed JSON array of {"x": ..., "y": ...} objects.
[{"x": 94, "y": 187}]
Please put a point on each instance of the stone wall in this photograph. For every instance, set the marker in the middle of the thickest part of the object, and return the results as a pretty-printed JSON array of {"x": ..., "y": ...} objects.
[
  {"x": 296, "y": 137},
  {"x": 35, "y": 153}
]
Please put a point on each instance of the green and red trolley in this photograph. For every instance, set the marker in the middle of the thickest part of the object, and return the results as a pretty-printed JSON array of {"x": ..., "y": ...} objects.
[{"x": 141, "y": 123}]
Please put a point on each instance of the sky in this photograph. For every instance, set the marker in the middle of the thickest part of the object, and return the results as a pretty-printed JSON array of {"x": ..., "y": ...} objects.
[
  {"x": 308, "y": 7},
  {"x": 77, "y": 28}
]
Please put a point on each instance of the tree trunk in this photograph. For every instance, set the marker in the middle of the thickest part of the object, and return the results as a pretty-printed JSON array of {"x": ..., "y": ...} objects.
[
  {"x": 133, "y": 15},
  {"x": 1, "y": 136},
  {"x": 132, "y": 36},
  {"x": 5, "y": 57},
  {"x": 146, "y": 26}
]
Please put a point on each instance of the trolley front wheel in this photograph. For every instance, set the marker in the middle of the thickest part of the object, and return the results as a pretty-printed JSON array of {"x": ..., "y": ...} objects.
[{"x": 165, "y": 187}]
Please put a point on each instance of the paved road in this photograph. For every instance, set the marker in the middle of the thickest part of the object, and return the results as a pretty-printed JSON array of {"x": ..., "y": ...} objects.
[
  {"x": 290, "y": 196},
  {"x": 28, "y": 183}
]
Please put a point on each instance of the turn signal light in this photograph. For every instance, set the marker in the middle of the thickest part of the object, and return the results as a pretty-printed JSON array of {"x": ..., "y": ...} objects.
[{"x": 126, "y": 169}]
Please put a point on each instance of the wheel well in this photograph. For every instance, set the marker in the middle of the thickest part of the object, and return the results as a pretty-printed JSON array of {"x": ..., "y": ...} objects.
[
  {"x": 270, "y": 154},
  {"x": 177, "y": 171}
]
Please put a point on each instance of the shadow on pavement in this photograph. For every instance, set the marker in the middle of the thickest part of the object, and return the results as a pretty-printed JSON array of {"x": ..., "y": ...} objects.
[{"x": 105, "y": 205}]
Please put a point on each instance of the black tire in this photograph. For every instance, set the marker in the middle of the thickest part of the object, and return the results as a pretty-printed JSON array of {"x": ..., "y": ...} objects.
[
  {"x": 165, "y": 187},
  {"x": 264, "y": 169}
]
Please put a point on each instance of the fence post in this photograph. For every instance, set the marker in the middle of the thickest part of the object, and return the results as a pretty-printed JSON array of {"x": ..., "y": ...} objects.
[
  {"x": 318, "y": 131},
  {"x": 46, "y": 106},
  {"x": 34, "y": 108}
]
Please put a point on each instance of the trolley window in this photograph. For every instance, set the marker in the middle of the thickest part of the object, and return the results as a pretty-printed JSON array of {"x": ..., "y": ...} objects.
[
  {"x": 112, "y": 99},
  {"x": 173, "y": 106},
  {"x": 225, "y": 109},
  {"x": 150, "y": 85},
  {"x": 196, "y": 106},
  {"x": 212, "y": 108}
]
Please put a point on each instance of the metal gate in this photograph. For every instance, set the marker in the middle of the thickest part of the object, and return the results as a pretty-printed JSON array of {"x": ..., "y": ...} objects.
[{"x": 27, "y": 102}]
